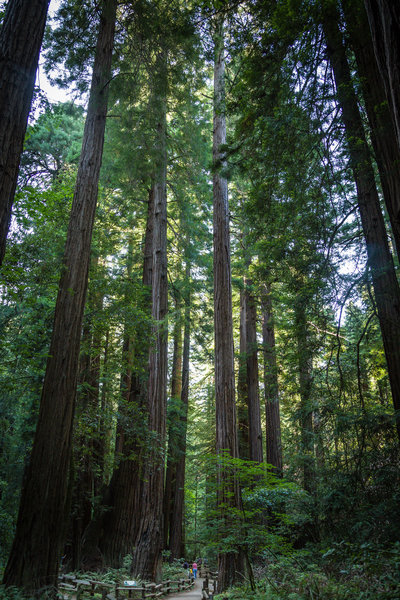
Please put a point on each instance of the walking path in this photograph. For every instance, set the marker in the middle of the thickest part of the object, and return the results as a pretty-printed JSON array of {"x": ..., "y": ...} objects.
[{"x": 193, "y": 594}]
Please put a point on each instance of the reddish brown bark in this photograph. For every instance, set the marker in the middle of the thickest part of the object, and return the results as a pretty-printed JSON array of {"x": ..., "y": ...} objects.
[
  {"x": 21, "y": 37},
  {"x": 35, "y": 555},
  {"x": 147, "y": 558},
  {"x": 226, "y": 431}
]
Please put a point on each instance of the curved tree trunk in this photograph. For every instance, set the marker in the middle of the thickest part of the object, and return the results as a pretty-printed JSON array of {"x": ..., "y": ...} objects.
[
  {"x": 386, "y": 287},
  {"x": 35, "y": 555},
  {"x": 384, "y": 21},
  {"x": 383, "y": 135},
  {"x": 21, "y": 38}
]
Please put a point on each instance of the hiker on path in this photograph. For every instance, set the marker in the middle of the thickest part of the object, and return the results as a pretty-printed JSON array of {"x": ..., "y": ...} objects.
[{"x": 194, "y": 567}]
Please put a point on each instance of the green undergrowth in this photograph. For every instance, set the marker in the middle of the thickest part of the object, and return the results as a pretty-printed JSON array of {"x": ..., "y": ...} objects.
[{"x": 343, "y": 572}]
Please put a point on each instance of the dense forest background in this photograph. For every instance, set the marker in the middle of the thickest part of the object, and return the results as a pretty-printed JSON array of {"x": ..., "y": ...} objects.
[{"x": 200, "y": 342}]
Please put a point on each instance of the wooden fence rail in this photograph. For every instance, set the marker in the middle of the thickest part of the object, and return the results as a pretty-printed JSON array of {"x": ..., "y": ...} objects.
[{"x": 77, "y": 589}]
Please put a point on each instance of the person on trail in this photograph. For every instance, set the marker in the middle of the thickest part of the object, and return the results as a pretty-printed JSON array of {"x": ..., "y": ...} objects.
[{"x": 194, "y": 567}]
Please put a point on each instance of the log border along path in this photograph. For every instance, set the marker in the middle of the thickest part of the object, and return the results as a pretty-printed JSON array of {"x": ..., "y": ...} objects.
[{"x": 72, "y": 588}]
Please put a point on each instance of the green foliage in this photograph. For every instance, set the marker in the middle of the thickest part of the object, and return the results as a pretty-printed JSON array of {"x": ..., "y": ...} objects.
[
  {"x": 173, "y": 570},
  {"x": 357, "y": 573}
]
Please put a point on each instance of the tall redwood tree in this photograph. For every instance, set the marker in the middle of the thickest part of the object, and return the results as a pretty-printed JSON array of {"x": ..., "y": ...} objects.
[
  {"x": 21, "y": 38},
  {"x": 226, "y": 430},
  {"x": 380, "y": 261},
  {"x": 35, "y": 555},
  {"x": 384, "y": 21},
  {"x": 147, "y": 552}
]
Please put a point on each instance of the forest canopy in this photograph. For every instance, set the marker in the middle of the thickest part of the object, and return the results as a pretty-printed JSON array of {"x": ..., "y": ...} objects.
[{"x": 199, "y": 296}]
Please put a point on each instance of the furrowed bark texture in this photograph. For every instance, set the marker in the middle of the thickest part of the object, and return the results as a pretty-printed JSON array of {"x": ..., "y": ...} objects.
[
  {"x": 383, "y": 134},
  {"x": 384, "y": 21},
  {"x": 226, "y": 431},
  {"x": 35, "y": 556},
  {"x": 21, "y": 38},
  {"x": 272, "y": 413},
  {"x": 386, "y": 287},
  {"x": 146, "y": 560}
]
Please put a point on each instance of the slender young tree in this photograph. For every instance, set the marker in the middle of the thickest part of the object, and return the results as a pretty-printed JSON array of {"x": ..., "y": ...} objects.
[
  {"x": 174, "y": 420},
  {"x": 380, "y": 261},
  {"x": 35, "y": 555},
  {"x": 176, "y": 530},
  {"x": 272, "y": 412},
  {"x": 242, "y": 403},
  {"x": 305, "y": 377},
  {"x": 88, "y": 448},
  {"x": 255, "y": 432},
  {"x": 21, "y": 38}
]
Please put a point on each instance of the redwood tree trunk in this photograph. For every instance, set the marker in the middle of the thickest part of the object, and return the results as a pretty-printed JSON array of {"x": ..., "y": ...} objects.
[
  {"x": 174, "y": 433},
  {"x": 255, "y": 432},
  {"x": 305, "y": 370},
  {"x": 147, "y": 557},
  {"x": 35, "y": 555},
  {"x": 226, "y": 431},
  {"x": 20, "y": 42},
  {"x": 242, "y": 392},
  {"x": 384, "y": 21},
  {"x": 88, "y": 448},
  {"x": 383, "y": 135},
  {"x": 120, "y": 523},
  {"x": 386, "y": 287},
  {"x": 176, "y": 537},
  {"x": 272, "y": 413}
]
